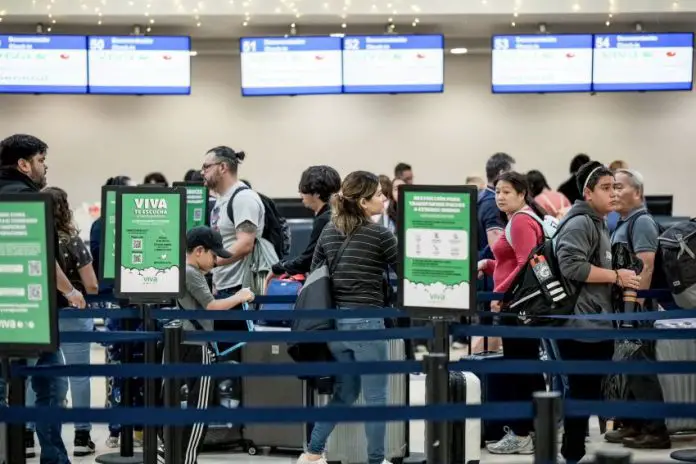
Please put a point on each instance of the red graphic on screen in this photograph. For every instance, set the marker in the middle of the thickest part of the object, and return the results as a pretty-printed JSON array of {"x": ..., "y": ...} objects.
[
  {"x": 671, "y": 54},
  {"x": 167, "y": 57},
  {"x": 570, "y": 55},
  {"x": 318, "y": 57},
  {"x": 64, "y": 56},
  {"x": 420, "y": 56}
]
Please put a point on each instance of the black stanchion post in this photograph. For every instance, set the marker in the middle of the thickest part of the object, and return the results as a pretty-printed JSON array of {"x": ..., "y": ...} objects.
[
  {"x": 616, "y": 457},
  {"x": 547, "y": 412},
  {"x": 16, "y": 396},
  {"x": 151, "y": 390},
  {"x": 437, "y": 392},
  {"x": 173, "y": 336},
  {"x": 125, "y": 454}
]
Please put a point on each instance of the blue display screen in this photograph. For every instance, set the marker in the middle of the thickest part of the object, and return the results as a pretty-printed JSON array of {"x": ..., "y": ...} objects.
[
  {"x": 139, "y": 65},
  {"x": 393, "y": 64},
  {"x": 542, "y": 63},
  {"x": 290, "y": 65},
  {"x": 636, "y": 62},
  {"x": 43, "y": 64}
]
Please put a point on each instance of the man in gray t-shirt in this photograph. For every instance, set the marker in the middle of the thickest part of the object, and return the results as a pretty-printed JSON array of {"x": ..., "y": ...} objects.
[{"x": 203, "y": 247}]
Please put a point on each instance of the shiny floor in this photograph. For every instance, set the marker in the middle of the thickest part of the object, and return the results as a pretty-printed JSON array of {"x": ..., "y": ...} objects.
[{"x": 100, "y": 433}]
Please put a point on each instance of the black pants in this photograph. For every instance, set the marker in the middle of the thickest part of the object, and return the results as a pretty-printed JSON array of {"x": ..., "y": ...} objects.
[
  {"x": 581, "y": 387},
  {"x": 645, "y": 387},
  {"x": 200, "y": 395},
  {"x": 521, "y": 387}
]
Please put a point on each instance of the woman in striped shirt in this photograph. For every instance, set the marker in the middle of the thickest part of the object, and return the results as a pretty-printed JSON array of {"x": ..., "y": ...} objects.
[{"x": 358, "y": 282}]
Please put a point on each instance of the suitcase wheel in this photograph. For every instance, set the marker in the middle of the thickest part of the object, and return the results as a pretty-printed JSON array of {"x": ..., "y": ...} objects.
[{"x": 251, "y": 451}]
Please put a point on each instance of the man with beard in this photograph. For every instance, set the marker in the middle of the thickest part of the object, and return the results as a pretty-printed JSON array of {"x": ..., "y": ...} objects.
[
  {"x": 240, "y": 232},
  {"x": 23, "y": 170}
]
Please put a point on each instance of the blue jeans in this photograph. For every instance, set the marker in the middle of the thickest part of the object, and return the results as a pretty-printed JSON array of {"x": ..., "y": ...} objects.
[
  {"x": 50, "y": 392},
  {"x": 347, "y": 387},
  {"x": 73, "y": 353}
]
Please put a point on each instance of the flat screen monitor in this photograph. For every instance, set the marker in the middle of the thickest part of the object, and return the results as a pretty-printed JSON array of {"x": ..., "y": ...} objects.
[
  {"x": 139, "y": 65},
  {"x": 542, "y": 63},
  {"x": 660, "y": 205},
  {"x": 393, "y": 64},
  {"x": 43, "y": 64},
  {"x": 290, "y": 65},
  {"x": 642, "y": 62}
]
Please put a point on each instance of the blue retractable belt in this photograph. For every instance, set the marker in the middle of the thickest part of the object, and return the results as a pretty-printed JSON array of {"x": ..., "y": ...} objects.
[{"x": 250, "y": 326}]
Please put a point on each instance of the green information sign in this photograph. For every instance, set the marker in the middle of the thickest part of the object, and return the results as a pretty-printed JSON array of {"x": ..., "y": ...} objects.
[
  {"x": 107, "y": 252},
  {"x": 196, "y": 203},
  {"x": 438, "y": 248},
  {"x": 150, "y": 243},
  {"x": 28, "y": 313}
]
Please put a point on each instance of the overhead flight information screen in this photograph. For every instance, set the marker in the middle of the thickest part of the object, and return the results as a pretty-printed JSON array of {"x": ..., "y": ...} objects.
[
  {"x": 542, "y": 63},
  {"x": 290, "y": 65},
  {"x": 393, "y": 64},
  {"x": 140, "y": 65},
  {"x": 43, "y": 64},
  {"x": 636, "y": 62}
]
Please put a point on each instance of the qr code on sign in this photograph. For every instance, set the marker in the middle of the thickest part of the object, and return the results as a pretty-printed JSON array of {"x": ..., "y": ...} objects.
[
  {"x": 137, "y": 244},
  {"x": 35, "y": 292},
  {"x": 197, "y": 214},
  {"x": 137, "y": 258},
  {"x": 34, "y": 268}
]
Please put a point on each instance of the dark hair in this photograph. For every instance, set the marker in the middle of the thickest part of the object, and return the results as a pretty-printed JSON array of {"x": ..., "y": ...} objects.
[
  {"x": 320, "y": 180},
  {"x": 228, "y": 156},
  {"x": 196, "y": 177},
  {"x": 385, "y": 184},
  {"x": 401, "y": 168},
  {"x": 190, "y": 174},
  {"x": 498, "y": 164},
  {"x": 62, "y": 214},
  {"x": 118, "y": 180},
  {"x": 537, "y": 182},
  {"x": 589, "y": 174},
  {"x": 347, "y": 214},
  {"x": 518, "y": 182},
  {"x": 20, "y": 146},
  {"x": 156, "y": 178},
  {"x": 578, "y": 161}
]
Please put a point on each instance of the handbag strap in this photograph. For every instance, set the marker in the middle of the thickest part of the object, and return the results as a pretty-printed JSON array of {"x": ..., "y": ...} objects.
[{"x": 339, "y": 253}]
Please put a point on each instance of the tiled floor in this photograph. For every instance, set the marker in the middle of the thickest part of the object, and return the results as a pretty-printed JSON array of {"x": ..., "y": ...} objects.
[{"x": 100, "y": 433}]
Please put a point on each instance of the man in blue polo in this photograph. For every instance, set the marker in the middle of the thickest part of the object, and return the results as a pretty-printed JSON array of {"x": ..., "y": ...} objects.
[{"x": 490, "y": 224}]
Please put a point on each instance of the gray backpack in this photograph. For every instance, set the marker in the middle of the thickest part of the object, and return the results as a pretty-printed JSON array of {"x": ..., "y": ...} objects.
[{"x": 678, "y": 249}]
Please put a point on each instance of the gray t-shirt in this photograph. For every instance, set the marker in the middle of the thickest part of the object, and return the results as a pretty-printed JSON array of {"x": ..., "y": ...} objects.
[
  {"x": 247, "y": 207},
  {"x": 645, "y": 232},
  {"x": 197, "y": 296}
]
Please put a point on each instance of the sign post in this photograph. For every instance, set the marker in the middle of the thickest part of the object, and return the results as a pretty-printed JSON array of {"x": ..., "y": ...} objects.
[
  {"x": 197, "y": 198},
  {"x": 28, "y": 313},
  {"x": 437, "y": 272},
  {"x": 107, "y": 251}
]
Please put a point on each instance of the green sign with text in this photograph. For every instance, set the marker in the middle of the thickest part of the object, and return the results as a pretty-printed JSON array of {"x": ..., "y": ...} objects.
[
  {"x": 196, "y": 204},
  {"x": 27, "y": 274},
  {"x": 150, "y": 242},
  {"x": 108, "y": 245}
]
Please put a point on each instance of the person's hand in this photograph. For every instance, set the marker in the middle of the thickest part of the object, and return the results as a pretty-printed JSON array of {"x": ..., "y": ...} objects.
[
  {"x": 269, "y": 277},
  {"x": 76, "y": 299},
  {"x": 481, "y": 266},
  {"x": 627, "y": 279},
  {"x": 495, "y": 306},
  {"x": 246, "y": 295}
]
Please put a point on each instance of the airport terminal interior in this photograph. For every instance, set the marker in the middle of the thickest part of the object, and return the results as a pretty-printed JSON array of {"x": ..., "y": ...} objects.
[{"x": 433, "y": 93}]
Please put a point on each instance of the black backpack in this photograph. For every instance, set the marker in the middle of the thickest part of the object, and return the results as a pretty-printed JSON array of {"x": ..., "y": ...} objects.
[
  {"x": 540, "y": 289},
  {"x": 659, "y": 278},
  {"x": 275, "y": 226},
  {"x": 678, "y": 250}
]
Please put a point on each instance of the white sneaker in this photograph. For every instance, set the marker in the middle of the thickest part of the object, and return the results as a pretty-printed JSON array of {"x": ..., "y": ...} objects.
[
  {"x": 305, "y": 460},
  {"x": 512, "y": 444},
  {"x": 112, "y": 442}
]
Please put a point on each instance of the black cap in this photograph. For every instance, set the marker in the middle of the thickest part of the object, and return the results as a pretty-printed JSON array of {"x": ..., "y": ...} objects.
[{"x": 207, "y": 238}]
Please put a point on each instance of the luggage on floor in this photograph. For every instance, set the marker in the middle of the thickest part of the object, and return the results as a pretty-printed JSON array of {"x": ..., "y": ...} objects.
[
  {"x": 677, "y": 388},
  {"x": 492, "y": 389},
  {"x": 465, "y": 436},
  {"x": 283, "y": 286},
  {"x": 272, "y": 392},
  {"x": 347, "y": 444}
]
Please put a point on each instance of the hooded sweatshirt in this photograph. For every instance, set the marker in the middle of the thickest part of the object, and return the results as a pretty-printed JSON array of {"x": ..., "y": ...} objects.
[{"x": 576, "y": 250}]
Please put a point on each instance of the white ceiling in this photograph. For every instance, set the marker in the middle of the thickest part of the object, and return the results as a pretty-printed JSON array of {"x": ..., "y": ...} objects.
[{"x": 457, "y": 19}]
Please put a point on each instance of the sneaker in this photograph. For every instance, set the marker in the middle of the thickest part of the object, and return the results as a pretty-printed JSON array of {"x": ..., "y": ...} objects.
[
  {"x": 83, "y": 444},
  {"x": 305, "y": 460},
  {"x": 138, "y": 439},
  {"x": 29, "y": 444},
  {"x": 512, "y": 444},
  {"x": 112, "y": 442}
]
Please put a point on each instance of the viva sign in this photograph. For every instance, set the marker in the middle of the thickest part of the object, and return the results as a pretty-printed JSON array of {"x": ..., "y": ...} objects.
[{"x": 150, "y": 206}]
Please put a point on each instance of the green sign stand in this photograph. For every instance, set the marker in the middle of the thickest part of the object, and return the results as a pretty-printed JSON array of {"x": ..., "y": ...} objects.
[
  {"x": 150, "y": 243},
  {"x": 438, "y": 249},
  {"x": 107, "y": 251},
  {"x": 197, "y": 197},
  {"x": 28, "y": 303}
]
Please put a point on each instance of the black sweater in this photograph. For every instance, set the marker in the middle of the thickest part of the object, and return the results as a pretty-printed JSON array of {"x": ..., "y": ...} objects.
[{"x": 301, "y": 264}]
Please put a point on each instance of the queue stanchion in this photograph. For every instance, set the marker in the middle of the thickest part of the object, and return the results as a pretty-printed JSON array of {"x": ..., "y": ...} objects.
[
  {"x": 151, "y": 390},
  {"x": 547, "y": 413},
  {"x": 125, "y": 455},
  {"x": 437, "y": 392},
  {"x": 613, "y": 457},
  {"x": 173, "y": 336},
  {"x": 16, "y": 396}
]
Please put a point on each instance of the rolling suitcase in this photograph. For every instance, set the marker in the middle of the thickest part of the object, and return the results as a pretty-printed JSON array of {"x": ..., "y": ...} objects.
[
  {"x": 347, "y": 444},
  {"x": 282, "y": 286}
]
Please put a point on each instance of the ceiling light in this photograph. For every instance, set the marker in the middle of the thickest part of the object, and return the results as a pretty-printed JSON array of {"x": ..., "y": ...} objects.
[
  {"x": 513, "y": 24},
  {"x": 515, "y": 14},
  {"x": 414, "y": 24},
  {"x": 390, "y": 20},
  {"x": 608, "y": 23},
  {"x": 337, "y": 34},
  {"x": 344, "y": 25},
  {"x": 47, "y": 30},
  {"x": 198, "y": 24},
  {"x": 416, "y": 20},
  {"x": 611, "y": 15},
  {"x": 415, "y": 8},
  {"x": 193, "y": 53},
  {"x": 99, "y": 22},
  {"x": 459, "y": 51},
  {"x": 245, "y": 24},
  {"x": 149, "y": 29},
  {"x": 576, "y": 7},
  {"x": 53, "y": 21},
  {"x": 152, "y": 21}
]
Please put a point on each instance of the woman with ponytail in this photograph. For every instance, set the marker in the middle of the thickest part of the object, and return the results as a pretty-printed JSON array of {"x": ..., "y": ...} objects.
[
  {"x": 511, "y": 251},
  {"x": 357, "y": 281}
]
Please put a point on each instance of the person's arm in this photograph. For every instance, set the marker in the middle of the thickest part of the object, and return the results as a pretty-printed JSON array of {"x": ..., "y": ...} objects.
[
  {"x": 246, "y": 213},
  {"x": 303, "y": 263},
  {"x": 73, "y": 295},
  {"x": 489, "y": 218},
  {"x": 644, "y": 241},
  {"x": 525, "y": 234},
  {"x": 574, "y": 245},
  {"x": 83, "y": 259},
  {"x": 242, "y": 296},
  {"x": 389, "y": 248}
]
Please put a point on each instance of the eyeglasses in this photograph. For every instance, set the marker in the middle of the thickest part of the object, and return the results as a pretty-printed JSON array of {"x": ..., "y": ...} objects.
[{"x": 205, "y": 167}]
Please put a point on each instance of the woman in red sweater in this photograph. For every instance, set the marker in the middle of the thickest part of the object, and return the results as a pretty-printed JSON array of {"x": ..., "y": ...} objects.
[{"x": 511, "y": 251}]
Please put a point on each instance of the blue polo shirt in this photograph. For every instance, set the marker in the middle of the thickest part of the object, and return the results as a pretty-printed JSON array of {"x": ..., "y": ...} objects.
[{"x": 488, "y": 219}]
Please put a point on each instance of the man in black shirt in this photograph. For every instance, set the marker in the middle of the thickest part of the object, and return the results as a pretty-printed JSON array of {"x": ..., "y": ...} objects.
[
  {"x": 569, "y": 188},
  {"x": 23, "y": 170}
]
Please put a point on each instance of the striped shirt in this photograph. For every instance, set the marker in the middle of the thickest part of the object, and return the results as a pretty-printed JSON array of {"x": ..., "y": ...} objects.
[{"x": 358, "y": 280}]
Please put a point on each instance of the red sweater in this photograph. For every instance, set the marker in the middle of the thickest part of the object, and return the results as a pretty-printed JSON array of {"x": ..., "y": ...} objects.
[{"x": 526, "y": 233}]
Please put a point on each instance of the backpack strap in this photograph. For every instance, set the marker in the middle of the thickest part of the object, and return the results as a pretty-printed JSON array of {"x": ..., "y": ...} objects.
[
  {"x": 532, "y": 214},
  {"x": 630, "y": 226},
  {"x": 230, "y": 209}
]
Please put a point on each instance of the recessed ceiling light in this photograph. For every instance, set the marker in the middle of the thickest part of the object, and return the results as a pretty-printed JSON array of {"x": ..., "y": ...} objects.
[
  {"x": 459, "y": 51},
  {"x": 513, "y": 24},
  {"x": 608, "y": 23},
  {"x": 193, "y": 53},
  {"x": 515, "y": 14},
  {"x": 344, "y": 25}
]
